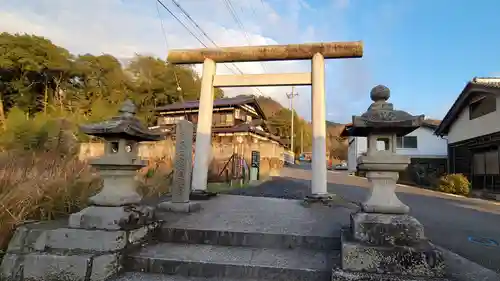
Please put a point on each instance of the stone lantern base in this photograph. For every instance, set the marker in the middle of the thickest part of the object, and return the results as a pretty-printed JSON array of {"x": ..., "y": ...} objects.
[
  {"x": 111, "y": 218},
  {"x": 392, "y": 244}
]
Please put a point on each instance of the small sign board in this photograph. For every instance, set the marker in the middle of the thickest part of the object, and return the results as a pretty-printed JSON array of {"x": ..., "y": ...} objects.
[
  {"x": 255, "y": 159},
  {"x": 255, "y": 166}
]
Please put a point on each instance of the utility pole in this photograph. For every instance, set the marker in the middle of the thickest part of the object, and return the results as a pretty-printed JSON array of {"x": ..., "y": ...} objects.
[
  {"x": 290, "y": 96},
  {"x": 302, "y": 140}
]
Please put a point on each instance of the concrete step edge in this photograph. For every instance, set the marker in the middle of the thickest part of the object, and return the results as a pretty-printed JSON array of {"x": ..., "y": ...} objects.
[
  {"x": 247, "y": 239},
  {"x": 143, "y": 276},
  {"x": 231, "y": 262}
]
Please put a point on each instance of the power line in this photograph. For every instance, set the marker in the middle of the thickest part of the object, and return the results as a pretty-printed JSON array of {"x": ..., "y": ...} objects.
[
  {"x": 179, "y": 88},
  {"x": 162, "y": 25},
  {"x": 196, "y": 25},
  {"x": 193, "y": 21},
  {"x": 203, "y": 32},
  {"x": 184, "y": 25},
  {"x": 232, "y": 11}
]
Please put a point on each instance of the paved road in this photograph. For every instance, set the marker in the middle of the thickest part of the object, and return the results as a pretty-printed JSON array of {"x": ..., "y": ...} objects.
[{"x": 449, "y": 221}]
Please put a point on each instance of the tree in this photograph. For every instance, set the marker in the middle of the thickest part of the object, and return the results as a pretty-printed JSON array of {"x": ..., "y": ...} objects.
[
  {"x": 30, "y": 68},
  {"x": 39, "y": 76}
]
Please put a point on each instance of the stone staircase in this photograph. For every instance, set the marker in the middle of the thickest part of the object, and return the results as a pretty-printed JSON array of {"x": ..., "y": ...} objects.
[{"x": 207, "y": 254}]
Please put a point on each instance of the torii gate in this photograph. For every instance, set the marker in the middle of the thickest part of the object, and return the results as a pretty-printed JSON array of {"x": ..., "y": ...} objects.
[{"x": 316, "y": 52}]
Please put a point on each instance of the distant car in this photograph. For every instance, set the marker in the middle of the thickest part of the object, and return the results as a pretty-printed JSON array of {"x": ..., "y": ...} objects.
[{"x": 342, "y": 166}]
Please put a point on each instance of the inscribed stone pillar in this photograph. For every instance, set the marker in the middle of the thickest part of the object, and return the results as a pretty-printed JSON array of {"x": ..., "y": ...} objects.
[
  {"x": 183, "y": 162},
  {"x": 183, "y": 165}
]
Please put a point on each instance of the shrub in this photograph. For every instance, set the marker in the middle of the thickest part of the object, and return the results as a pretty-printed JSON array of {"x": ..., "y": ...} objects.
[
  {"x": 454, "y": 184},
  {"x": 41, "y": 133}
]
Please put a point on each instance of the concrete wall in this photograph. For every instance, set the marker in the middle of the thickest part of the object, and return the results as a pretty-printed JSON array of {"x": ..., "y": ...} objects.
[
  {"x": 223, "y": 147},
  {"x": 428, "y": 146},
  {"x": 463, "y": 128},
  {"x": 357, "y": 146}
]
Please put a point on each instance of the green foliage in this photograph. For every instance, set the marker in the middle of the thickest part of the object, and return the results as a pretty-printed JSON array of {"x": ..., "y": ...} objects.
[
  {"x": 44, "y": 88},
  {"x": 455, "y": 184},
  {"x": 38, "y": 76},
  {"x": 40, "y": 133}
]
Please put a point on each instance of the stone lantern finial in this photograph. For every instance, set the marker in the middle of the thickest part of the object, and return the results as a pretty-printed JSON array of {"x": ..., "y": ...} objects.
[
  {"x": 380, "y": 93},
  {"x": 128, "y": 109}
]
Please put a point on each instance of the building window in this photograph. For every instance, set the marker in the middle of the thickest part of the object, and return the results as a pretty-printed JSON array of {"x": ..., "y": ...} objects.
[
  {"x": 491, "y": 162},
  {"x": 239, "y": 114},
  {"x": 478, "y": 164},
  {"x": 222, "y": 119},
  {"x": 407, "y": 142},
  {"x": 193, "y": 118},
  {"x": 485, "y": 162},
  {"x": 482, "y": 106},
  {"x": 169, "y": 120}
]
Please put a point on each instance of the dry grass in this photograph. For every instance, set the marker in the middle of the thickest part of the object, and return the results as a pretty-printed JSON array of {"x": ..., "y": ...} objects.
[
  {"x": 46, "y": 186},
  {"x": 155, "y": 179},
  {"x": 41, "y": 187}
]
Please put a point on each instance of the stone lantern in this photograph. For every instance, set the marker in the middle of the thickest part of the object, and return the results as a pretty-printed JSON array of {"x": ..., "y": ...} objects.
[
  {"x": 383, "y": 238},
  {"x": 117, "y": 167}
]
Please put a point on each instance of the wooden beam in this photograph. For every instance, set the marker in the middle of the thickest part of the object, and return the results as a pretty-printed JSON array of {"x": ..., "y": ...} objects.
[
  {"x": 331, "y": 50},
  {"x": 256, "y": 80}
]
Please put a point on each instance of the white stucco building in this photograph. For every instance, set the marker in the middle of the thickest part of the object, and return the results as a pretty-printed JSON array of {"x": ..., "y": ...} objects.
[
  {"x": 472, "y": 126},
  {"x": 421, "y": 143}
]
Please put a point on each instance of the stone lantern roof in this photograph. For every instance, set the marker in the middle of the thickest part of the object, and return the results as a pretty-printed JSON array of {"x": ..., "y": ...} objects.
[
  {"x": 124, "y": 126},
  {"x": 381, "y": 117}
]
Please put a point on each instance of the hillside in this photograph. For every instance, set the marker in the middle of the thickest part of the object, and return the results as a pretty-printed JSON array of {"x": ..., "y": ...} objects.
[{"x": 279, "y": 122}]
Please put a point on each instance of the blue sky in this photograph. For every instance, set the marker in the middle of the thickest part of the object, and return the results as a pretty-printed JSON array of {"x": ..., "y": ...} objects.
[{"x": 424, "y": 51}]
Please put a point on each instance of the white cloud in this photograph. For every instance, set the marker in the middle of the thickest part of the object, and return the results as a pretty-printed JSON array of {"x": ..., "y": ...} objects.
[{"x": 126, "y": 27}]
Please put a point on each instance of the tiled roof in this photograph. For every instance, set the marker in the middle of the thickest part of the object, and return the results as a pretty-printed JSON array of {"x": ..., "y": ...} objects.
[
  {"x": 218, "y": 102},
  {"x": 487, "y": 81},
  {"x": 431, "y": 123},
  {"x": 239, "y": 100}
]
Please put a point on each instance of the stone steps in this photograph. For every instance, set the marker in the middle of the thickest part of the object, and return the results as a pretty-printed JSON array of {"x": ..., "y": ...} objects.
[
  {"x": 216, "y": 261},
  {"x": 248, "y": 239},
  {"x": 141, "y": 276}
]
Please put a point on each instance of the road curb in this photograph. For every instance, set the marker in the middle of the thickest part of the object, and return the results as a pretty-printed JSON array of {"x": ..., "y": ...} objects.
[
  {"x": 462, "y": 269},
  {"x": 441, "y": 193}
]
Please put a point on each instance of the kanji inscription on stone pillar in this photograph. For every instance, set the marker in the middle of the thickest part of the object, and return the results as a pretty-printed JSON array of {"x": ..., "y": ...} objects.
[{"x": 183, "y": 162}]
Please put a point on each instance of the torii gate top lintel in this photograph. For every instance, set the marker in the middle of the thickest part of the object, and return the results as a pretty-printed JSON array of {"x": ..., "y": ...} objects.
[{"x": 329, "y": 50}]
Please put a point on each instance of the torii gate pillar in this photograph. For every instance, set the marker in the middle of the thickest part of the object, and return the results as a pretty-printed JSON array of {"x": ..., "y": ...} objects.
[{"x": 316, "y": 52}]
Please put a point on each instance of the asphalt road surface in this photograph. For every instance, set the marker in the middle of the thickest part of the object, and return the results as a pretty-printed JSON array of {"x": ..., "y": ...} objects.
[{"x": 468, "y": 227}]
